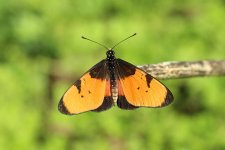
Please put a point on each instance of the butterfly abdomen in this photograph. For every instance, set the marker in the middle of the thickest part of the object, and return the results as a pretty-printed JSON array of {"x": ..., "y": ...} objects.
[{"x": 114, "y": 92}]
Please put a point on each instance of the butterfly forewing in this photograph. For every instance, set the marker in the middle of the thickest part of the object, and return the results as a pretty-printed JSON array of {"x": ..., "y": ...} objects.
[
  {"x": 139, "y": 88},
  {"x": 90, "y": 92}
]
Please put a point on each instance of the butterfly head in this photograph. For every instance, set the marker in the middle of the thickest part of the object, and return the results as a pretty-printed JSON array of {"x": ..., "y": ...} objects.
[{"x": 110, "y": 54}]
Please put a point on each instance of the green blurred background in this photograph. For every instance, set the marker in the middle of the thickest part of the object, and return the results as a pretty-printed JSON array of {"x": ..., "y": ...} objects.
[{"x": 42, "y": 54}]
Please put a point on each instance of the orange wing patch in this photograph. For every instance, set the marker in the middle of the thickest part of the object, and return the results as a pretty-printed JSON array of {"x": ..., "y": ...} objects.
[
  {"x": 139, "y": 92},
  {"x": 141, "y": 89},
  {"x": 122, "y": 101},
  {"x": 108, "y": 101},
  {"x": 86, "y": 94}
]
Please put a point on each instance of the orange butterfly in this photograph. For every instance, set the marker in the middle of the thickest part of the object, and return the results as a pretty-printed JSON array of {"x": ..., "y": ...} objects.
[{"x": 112, "y": 81}]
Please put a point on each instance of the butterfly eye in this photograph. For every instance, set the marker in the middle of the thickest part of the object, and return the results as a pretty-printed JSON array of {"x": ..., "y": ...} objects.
[{"x": 108, "y": 53}]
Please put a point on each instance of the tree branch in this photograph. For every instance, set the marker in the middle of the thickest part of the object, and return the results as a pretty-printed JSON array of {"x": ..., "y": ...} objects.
[
  {"x": 164, "y": 70},
  {"x": 183, "y": 69}
]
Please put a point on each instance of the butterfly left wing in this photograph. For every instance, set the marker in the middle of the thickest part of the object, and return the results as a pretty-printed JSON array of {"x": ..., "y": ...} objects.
[
  {"x": 137, "y": 88},
  {"x": 90, "y": 92}
]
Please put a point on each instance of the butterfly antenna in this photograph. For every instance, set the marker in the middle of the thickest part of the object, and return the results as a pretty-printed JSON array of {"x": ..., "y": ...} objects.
[
  {"x": 95, "y": 42},
  {"x": 124, "y": 40}
]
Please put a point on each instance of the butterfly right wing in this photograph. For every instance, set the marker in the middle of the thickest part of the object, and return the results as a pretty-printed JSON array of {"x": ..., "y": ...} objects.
[
  {"x": 90, "y": 92},
  {"x": 137, "y": 88}
]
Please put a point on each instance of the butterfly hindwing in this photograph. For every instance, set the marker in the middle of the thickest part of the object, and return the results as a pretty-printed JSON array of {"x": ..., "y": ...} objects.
[
  {"x": 90, "y": 92},
  {"x": 139, "y": 89},
  {"x": 108, "y": 101},
  {"x": 122, "y": 101}
]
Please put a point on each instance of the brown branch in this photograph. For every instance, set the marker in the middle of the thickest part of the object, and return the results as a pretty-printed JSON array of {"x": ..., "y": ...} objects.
[
  {"x": 183, "y": 69},
  {"x": 164, "y": 70}
]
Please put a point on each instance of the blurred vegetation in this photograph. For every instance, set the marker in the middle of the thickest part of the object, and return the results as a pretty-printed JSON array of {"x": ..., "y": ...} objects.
[{"x": 40, "y": 40}]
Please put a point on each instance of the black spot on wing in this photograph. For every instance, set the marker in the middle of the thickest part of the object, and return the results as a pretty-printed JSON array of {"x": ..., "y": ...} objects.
[
  {"x": 77, "y": 84},
  {"x": 123, "y": 103},
  {"x": 148, "y": 79},
  {"x": 107, "y": 103},
  {"x": 124, "y": 68},
  {"x": 62, "y": 108},
  {"x": 168, "y": 98},
  {"x": 99, "y": 70}
]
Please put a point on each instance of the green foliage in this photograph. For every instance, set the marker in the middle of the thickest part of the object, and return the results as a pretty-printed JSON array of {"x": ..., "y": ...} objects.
[{"x": 40, "y": 39}]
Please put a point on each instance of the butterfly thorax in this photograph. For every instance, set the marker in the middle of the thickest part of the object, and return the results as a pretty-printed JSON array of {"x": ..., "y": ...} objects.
[
  {"x": 111, "y": 68},
  {"x": 111, "y": 63}
]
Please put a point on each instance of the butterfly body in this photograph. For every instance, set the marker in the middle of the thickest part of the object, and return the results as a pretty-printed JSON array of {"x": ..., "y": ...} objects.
[
  {"x": 110, "y": 60},
  {"x": 114, "y": 81}
]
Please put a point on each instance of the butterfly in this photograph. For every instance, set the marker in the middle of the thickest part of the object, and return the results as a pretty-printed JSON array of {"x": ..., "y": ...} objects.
[{"x": 114, "y": 81}]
